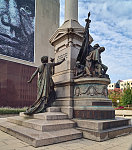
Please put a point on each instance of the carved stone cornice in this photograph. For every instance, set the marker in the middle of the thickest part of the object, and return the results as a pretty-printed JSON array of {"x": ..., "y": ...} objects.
[{"x": 70, "y": 30}]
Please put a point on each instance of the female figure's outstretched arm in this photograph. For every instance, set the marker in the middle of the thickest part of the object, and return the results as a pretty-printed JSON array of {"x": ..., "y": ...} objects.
[{"x": 33, "y": 75}]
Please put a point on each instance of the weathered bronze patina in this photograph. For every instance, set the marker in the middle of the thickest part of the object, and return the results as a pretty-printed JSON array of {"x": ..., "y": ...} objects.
[
  {"x": 89, "y": 58},
  {"x": 46, "y": 94}
]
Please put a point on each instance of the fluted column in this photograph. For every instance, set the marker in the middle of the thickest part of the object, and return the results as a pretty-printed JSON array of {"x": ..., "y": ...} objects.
[{"x": 71, "y": 10}]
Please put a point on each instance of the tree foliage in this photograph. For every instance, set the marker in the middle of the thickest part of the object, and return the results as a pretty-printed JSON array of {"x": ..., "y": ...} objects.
[
  {"x": 115, "y": 95},
  {"x": 124, "y": 97},
  {"x": 127, "y": 96}
]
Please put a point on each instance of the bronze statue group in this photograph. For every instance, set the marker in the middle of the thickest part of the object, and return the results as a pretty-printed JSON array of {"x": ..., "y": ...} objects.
[
  {"x": 89, "y": 58},
  {"x": 88, "y": 64}
]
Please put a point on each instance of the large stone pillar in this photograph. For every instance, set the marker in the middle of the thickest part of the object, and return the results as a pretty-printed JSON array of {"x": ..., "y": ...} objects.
[
  {"x": 71, "y": 10},
  {"x": 46, "y": 24},
  {"x": 67, "y": 41}
]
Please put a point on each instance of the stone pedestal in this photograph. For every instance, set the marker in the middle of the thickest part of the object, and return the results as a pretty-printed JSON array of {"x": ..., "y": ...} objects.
[
  {"x": 91, "y": 99},
  {"x": 67, "y": 42},
  {"x": 93, "y": 111}
]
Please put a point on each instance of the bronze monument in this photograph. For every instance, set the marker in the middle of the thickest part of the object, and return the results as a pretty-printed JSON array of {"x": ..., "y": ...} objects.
[
  {"x": 89, "y": 58},
  {"x": 46, "y": 94}
]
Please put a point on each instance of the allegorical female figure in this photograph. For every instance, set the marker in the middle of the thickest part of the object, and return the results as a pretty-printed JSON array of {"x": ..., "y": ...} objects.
[{"x": 46, "y": 94}]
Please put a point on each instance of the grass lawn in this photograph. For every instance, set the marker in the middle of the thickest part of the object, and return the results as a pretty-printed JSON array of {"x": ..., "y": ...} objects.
[{"x": 9, "y": 110}]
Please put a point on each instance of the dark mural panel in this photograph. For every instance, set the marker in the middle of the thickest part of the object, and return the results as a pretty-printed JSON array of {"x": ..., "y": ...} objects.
[
  {"x": 14, "y": 89},
  {"x": 17, "y": 24}
]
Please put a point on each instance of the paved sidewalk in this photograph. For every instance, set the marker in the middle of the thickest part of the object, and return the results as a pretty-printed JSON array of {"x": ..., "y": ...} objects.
[{"x": 8, "y": 142}]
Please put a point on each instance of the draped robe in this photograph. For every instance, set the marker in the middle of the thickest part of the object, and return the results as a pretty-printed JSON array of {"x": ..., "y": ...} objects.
[{"x": 45, "y": 92}]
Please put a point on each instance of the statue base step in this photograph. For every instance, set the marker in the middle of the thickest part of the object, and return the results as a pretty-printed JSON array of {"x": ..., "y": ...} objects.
[
  {"x": 41, "y": 129},
  {"x": 97, "y": 114},
  {"x": 101, "y": 130}
]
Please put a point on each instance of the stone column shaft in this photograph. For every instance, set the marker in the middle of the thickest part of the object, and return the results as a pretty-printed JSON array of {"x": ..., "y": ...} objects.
[{"x": 71, "y": 10}]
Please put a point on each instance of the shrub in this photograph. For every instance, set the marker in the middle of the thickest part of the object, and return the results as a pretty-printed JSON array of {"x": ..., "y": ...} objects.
[
  {"x": 9, "y": 110},
  {"x": 127, "y": 96},
  {"x": 115, "y": 95}
]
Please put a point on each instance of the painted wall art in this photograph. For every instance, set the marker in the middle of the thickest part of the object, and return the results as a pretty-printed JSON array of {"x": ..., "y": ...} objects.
[{"x": 17, "y": 27}]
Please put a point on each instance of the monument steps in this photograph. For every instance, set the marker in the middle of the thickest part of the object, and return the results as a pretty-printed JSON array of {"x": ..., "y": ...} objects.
[
  {"x": 101, "y": 130},
  {"x": 37, "y": 138},
  {"x": 105, "y": 134},
  {"x": 41, "y": 129},
  {"x": 99, "y": 125},
  {"x": 53, "y": 109},
  {"x": 47, "y": 116},
  {"x": 42, "y": 125}
]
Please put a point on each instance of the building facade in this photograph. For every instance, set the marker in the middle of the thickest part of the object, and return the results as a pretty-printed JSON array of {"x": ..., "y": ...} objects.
[
  {"x": 24, "y": 39},
  {"x": 111, "y": 86},
  {"x": 125, "y": 83},
  {"x": 122, "y": 84}
]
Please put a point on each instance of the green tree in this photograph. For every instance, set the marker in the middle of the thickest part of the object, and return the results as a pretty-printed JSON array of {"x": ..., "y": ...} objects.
[
  {"x": 115, "y": 95},
  {"x": 127, "y": 96}
]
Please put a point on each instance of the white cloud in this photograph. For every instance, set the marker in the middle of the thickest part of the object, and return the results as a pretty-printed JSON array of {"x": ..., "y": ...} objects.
[
  {"x": 111, "y": 27},
  {"x": 62, "y": 8}
]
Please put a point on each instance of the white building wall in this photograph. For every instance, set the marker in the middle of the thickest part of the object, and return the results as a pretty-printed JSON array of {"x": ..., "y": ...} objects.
[
  {"x": 111, "y": 86},
  {"x": 126, "y": 83}
]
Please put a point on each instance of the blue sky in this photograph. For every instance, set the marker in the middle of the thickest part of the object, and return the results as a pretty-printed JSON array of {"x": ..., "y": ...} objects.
[{"x": 111, "y": 27}]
